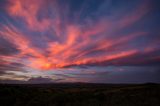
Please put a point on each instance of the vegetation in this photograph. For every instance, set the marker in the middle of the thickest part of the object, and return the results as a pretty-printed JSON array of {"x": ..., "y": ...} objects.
[{"x": 80, "y": 95}]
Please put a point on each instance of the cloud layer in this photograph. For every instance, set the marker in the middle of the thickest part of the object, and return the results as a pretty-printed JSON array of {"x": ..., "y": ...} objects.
[{"x": 41, "y": 37}]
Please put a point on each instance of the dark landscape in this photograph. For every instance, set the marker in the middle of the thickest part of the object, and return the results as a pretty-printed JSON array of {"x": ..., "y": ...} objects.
[{"x": 80, "y": 94}]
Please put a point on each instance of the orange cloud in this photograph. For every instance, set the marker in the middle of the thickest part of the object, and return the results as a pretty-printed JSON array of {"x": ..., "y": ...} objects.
[
  {"x": 75, "y": 44},
  {"x": 29, "y": 10}
]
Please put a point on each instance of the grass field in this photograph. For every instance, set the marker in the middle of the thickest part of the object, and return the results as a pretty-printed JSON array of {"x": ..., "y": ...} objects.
[{"x": 80, "y": 94}]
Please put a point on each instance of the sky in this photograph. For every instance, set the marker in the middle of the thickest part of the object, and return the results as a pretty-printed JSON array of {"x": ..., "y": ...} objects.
[{"x": 95, "y": 41}]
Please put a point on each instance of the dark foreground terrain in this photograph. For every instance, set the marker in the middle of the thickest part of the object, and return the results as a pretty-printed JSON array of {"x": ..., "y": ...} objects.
[{"x": 80, "y": 95}]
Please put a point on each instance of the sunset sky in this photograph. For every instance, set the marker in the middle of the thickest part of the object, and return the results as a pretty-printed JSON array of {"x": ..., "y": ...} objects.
[{"x": 97, "y": 41}]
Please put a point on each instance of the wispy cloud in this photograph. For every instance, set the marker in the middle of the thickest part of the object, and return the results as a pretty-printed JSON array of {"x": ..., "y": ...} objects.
[{"x": 56, "y": 35}]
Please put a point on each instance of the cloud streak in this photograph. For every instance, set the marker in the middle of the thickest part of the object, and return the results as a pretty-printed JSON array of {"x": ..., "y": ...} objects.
[{"x": 51, "y": 35}]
